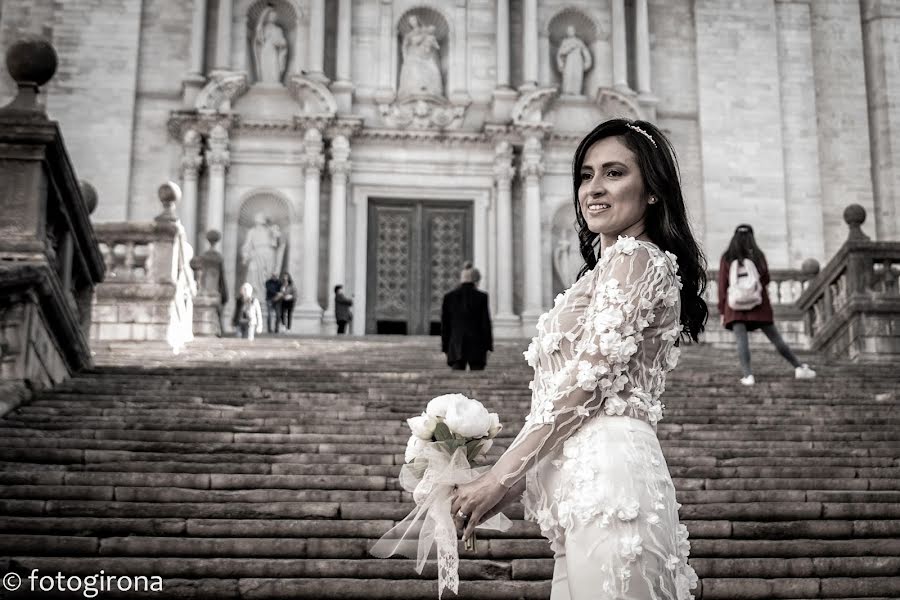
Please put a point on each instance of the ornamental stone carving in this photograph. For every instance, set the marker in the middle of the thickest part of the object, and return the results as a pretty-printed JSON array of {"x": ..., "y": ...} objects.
[
  {"x": 269, "y": 48},
  {"x": 420, "y": 73},
  {"x": 221, "y": 91},
  {"x": 423, "y": 112},
  {"x": 572, "y": 59}
]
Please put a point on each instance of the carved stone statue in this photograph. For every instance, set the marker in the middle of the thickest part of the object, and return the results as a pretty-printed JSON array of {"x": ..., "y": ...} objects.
[
  {"x": 269, "y": 48},
  {"x": 572, "y": 59},
  {"x": 262, "y": 253},
  {"x": 562, "y": 262},
  {"x": 421, "y": 70}
]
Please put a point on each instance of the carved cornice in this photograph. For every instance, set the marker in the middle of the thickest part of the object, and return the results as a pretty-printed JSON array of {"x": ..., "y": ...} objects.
[
  {"x": 313, "y": 97},
  {"x": 615, "y": 103},
  {"x": 221, "y": 90},
  {"x": 425, "y": 112},
  {"x": 181, "y": 121},
  {"x": 425, "y": 136},
  {"x": 346, "y": 126},
  {"x": 319, "y": 122}
]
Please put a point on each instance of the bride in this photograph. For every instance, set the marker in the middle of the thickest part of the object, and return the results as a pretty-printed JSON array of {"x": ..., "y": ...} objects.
[{"x": 587, "y": 465}]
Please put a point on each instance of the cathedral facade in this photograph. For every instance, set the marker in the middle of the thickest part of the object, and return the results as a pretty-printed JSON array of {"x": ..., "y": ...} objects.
[{"x": 379, "y": 144}]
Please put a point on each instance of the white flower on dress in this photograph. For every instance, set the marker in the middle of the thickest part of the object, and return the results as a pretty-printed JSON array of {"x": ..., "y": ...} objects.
[
  {"x": 672, "y": 257},
  {"x": 655, "y": 415},
  {"x": 586, "y": 345},
  {"x": 550, "y": 342},
  {"x": 672, "y": 562},
  {"x": 670, "y": 335},
  {"x": 628, "y": 511},
  {"x": 684, "y": 583},
  {"x": 423, "y": 426},
  {"x": 672, "y": 357},
  {"x": 672, "y": 296},
  {"x": 609, "y": 318},
  {"x": 414, "y": 447},
  {"x": 626, "y": 245},
  {"x": 558, "y": 300},
  {"x": 611, "y": 290},
  {"x": 615, "y": 406},
  {"x": 652, "y": 518},
  {"x": 469, "y": 418},
  {"x": 589, "y": 374},
  {"x": 631, "y": 547},
  {"x": 531, "y": 355}
]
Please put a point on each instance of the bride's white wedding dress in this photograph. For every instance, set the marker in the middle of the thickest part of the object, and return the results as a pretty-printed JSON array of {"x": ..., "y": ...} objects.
[{"x": 596, "y": 480}]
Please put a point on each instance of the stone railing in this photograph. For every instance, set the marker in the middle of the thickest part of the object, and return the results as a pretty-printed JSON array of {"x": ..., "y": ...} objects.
[
  {"x": 49, "y": 257},
  {"x": 212, "y": 290},
  {"x": 785, "y": 288},
  {"x": 150, "y": 288},
  {"x": 852, "y": 309}
]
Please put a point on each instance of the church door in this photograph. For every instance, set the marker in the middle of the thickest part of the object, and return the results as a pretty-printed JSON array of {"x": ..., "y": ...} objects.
[{"x": 416, "y": 251}]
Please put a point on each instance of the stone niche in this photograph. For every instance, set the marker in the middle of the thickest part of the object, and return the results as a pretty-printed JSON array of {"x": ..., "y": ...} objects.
[
  {"x": 265, "y": 216},
  {"x": 424, "y": 37},
  {"x": 586, "y": 30},
  {"x": 273, "y": 30}
]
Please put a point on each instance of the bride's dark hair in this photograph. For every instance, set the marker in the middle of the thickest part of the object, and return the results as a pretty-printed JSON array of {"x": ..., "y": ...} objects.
[{"x": 666, "y": 220}]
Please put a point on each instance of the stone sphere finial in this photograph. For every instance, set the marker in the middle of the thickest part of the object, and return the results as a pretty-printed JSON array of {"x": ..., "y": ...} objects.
[
  {"x": 89, "y": 193},
  {"x": 213, "y": 236},
  {"x": 169, "y": 194},
  {"x": 854, "y": 217},
  {"x": 810, "y": 267},
  {"x": 31, "y": 61}
]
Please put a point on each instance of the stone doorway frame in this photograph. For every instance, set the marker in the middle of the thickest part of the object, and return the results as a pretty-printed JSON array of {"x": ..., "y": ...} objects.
[{"x": 359, "y": 240}]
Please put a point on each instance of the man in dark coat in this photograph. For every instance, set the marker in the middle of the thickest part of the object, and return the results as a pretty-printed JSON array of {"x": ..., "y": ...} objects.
[
  {"x": 342, "y": 311},
  {"x": 466, "y": 336}
]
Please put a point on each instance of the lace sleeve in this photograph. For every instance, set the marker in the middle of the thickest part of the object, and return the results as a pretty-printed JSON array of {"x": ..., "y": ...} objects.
[{"x": 583, "y": 367}]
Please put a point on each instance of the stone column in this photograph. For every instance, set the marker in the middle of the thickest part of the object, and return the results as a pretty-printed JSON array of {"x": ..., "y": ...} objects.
[
  {"x": 642, "y": 47},
  {"x": 620, "y": 48},
  {"x": 343, "y": 87},
  {"x": 337, "y": 236},
  {"x": 309, "y": 313},
  {"x": 530, "y": 44},
  {"x": 502, "y": 43},
  {"x": 316, "y": 70},
  {"x": 532, "y": 170},
  {"x": 194, "y": 80},
  {"x": 218, "y": 158},
  {"x": 385, "y": 92},
  {"x": 191, "y": 161},
  {"x": 505, "y": 321},
  {"x": 223, "y": 36}
]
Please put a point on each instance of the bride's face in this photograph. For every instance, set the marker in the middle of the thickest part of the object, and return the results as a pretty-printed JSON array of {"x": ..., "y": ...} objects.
[{"x": 611, "y": 194}]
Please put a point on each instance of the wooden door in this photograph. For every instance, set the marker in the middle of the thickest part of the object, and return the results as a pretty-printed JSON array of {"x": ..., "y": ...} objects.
[{"x": 416, "y": 250}]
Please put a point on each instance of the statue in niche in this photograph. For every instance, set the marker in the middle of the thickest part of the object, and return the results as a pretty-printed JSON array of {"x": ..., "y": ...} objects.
[
  {"x": 562, "y": 262},
  {"x": 572, "y": 59},
  {"x": 262, "y": 253},
  {"x": 421, "y": 69},
  {"x": 270, "y": 48}
]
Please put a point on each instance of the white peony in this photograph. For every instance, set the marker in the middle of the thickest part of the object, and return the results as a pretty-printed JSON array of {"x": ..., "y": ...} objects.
[
  {"x": 468, "y": 418},
  {"x": 423, "y": 426},
  {"x": 414, "y": 448},
  {"x": 438, "y": 406},
  {"x": 495, "y": 427}
]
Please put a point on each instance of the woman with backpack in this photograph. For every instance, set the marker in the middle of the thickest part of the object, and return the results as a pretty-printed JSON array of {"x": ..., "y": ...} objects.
[{"x": 744, "y": 302}]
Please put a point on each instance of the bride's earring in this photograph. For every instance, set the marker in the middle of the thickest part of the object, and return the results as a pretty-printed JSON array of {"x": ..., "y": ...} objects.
[{"x": 652, "y": 200}]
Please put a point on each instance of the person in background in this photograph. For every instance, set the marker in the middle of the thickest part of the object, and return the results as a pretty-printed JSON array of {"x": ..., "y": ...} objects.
[
  {"x": 247, "y": 319},
  {"x": 466, "y": 335},
  {"x": 343, "y": 314},
  {"x": 287, "y": 295},
  {"x": 273, "y": 286},
  {"x": 744, "y": 303}
]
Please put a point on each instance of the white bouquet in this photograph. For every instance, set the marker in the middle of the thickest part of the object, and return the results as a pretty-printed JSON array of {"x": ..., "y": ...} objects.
[{"x": 454, "y": 433}]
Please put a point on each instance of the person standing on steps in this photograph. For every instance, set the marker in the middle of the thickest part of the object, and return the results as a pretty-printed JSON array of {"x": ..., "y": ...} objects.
[
  {"x": 587, "y": 464},
  {"x": 343, "y": 313},
  {"x": 273, "y": 286},
  {"x": 466, "y": 335},
  {"x": 247, "y": 319},
  {"x": 287, "y": 295},
  {"x": 744, "y": 303}
]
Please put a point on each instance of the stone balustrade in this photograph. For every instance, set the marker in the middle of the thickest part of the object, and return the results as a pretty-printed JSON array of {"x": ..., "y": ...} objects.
[
  {"x": 785, "y": 288},
  {"x": 150, "y": 288},
  {"x": 852, "y": 309},
  {"x": 49, "y": 257}
]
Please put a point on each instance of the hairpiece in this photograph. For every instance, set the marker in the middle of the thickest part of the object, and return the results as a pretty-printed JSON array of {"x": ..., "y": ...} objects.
[
  {"x": 744, "y": 229},
  {"x": 642, "y": 132}
]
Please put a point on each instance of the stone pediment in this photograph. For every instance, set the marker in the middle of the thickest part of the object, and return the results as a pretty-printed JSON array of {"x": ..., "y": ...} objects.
[{"x": 424, "y": 111}]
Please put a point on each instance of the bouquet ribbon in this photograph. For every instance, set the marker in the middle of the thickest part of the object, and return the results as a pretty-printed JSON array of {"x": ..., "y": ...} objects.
[{"x": 431, "y": 479}]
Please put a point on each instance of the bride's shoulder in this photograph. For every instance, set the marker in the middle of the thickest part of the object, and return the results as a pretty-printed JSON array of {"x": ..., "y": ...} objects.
[{"x": 642, "y": 254}]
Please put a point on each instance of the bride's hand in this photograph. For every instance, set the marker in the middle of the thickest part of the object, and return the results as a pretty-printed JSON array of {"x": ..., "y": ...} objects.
[{"x": 475, "y": 499}]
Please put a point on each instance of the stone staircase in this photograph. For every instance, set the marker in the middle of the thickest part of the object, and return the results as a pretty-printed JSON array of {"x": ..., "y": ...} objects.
[{"x": 266, "y": 470}]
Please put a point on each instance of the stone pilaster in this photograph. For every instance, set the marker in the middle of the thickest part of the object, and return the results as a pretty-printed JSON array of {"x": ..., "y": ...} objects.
[
  {"x": 316, "y": 70},
  {"x": 505, "y": 321},
  {"x": 530, "y": 45},
  {"x": 642, "y": 47},
  {"x": 195, "y": 79},
  {"x": 620, "y": 47},
  {"x": 191, "y": 161},
  {"x": 218, "y": 158},
  {"x": 223, "y": 35},
  {"x": 342, "y": 88},
  {"x": 504, "y": 97},
  {"x": 339, "y": 167},
  {"x": 309, "y": 313},
  {"x": 531, "y": 171}
]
